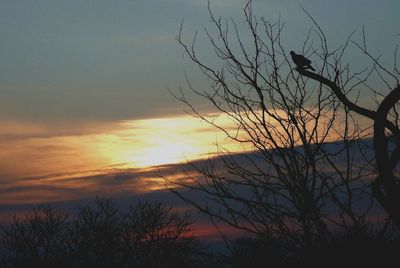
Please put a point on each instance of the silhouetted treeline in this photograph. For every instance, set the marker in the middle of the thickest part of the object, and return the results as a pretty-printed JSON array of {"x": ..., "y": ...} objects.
[
  {"x": 154, "y": 235},
  {"x": 146, "y": 235}
]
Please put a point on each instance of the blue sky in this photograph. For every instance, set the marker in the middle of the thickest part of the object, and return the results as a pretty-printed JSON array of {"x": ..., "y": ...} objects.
[{"x": 110, "y": 60}]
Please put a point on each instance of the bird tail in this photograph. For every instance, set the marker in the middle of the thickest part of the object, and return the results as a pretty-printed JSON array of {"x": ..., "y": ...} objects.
[{"x": 309, "y": 66}]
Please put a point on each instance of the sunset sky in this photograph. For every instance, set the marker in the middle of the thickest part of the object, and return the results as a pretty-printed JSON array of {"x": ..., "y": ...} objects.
[{"x": 84, "y": 105}]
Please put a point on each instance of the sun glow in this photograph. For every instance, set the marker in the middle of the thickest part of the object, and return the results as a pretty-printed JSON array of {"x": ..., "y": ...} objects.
[
  {"x": 169, "y": 140},
  {"x": 163, "y": 152}
]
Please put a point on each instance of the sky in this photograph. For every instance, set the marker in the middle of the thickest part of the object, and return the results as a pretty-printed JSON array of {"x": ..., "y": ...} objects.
[
  {"x": 112, "y": 60},
  {"x": 84, "y": 86}
]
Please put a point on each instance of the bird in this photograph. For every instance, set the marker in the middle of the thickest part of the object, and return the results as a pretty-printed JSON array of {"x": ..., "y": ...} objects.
[{"x": 301, "y": 61}]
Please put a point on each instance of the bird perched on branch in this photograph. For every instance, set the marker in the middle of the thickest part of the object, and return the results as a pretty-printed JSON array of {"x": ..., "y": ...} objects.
[{"x": 301, "y": 61}]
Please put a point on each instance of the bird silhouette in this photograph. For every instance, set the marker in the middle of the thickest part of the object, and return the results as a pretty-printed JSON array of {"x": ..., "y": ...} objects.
[{"x": 301, "y": 61}]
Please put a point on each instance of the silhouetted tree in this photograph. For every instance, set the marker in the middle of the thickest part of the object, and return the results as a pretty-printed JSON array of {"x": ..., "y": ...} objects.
[
  {"x": 306, "y": 167},
  {"x": 159, "y": 237},
  {"x": 41, "y": 239},
  {"x": 97, "y": 233}
]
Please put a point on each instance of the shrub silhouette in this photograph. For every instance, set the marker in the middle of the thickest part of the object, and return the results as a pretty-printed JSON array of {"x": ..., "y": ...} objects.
[
  {"x": 249, "y": 252},
  {"x": 146, "y": 235},
  {"x": 357, "y": 246}
]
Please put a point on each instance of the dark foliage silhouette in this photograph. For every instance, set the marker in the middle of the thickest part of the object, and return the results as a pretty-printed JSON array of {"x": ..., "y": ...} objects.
[
  {"x": 357, "y": 246},
  {"x": 146, "y": 235}
]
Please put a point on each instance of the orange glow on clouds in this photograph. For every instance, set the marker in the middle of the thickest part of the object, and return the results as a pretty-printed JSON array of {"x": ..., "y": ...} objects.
[{"x": 39, "y": 163}]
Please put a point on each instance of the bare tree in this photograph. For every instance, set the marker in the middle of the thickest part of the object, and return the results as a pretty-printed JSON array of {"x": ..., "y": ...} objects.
[
  {"x": 160, "y": 237},
  {"x": 385, "y": 118},
  {"x": 306, "y": 168},
  {"x": 42, "y": 239}
]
